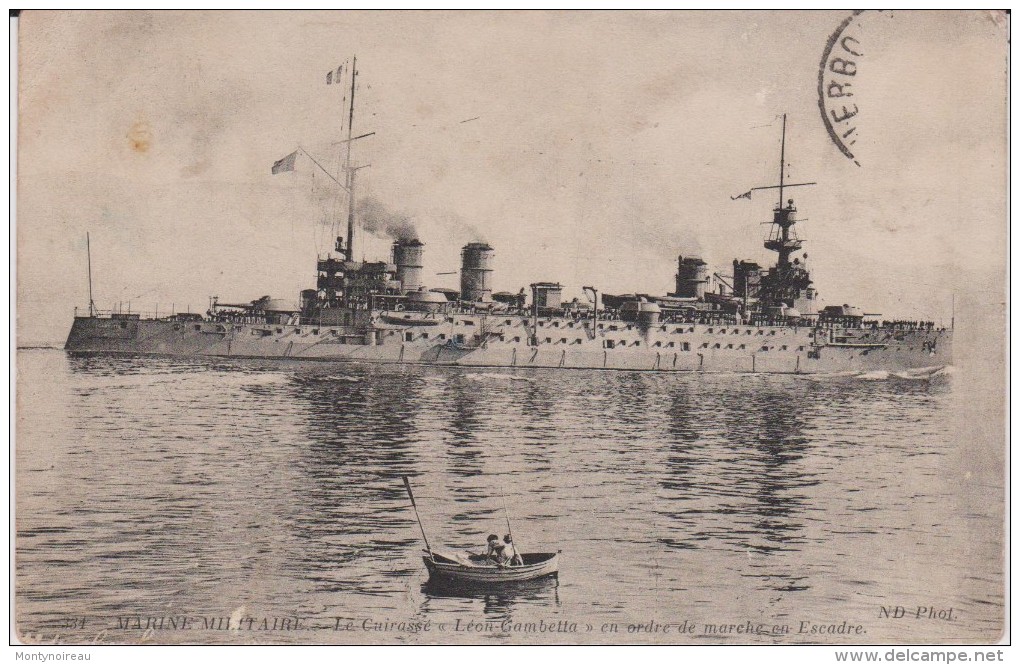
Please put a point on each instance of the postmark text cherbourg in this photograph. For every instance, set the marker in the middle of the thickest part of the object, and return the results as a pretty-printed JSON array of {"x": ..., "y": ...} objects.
[{"x": 837, "y": 74}]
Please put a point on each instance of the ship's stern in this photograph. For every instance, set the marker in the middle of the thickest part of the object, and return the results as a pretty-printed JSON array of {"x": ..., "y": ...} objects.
[{"x": 98, "y": 334}]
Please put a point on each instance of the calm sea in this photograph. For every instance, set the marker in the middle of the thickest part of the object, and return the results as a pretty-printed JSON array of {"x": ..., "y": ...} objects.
[{"x": 238, "y": 501}]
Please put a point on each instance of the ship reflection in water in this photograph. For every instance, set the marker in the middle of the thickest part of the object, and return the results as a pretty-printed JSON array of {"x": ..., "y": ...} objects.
[
  {"x": 498, "y": 603},
  {"x": 274, "y": 489}
]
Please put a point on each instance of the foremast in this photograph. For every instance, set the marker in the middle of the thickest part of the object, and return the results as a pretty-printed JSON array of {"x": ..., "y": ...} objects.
[{"x": 789, "y": 280}]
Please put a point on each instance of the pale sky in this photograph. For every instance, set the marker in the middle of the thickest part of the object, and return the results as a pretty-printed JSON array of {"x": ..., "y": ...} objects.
[{"x": 605, "y": 144}]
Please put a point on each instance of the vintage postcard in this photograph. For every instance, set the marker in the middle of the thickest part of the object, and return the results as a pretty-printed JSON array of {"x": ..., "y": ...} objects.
[{"x": 532, "y": 327}]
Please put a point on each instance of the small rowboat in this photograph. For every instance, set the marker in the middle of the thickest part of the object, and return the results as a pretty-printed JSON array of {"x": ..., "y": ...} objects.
[
  {"x": 465, "y": 570},
  {"x": 474, "y": 570}
]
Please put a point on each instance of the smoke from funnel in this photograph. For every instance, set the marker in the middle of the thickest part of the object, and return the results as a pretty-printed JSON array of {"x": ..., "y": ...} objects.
[
  {"x": 457, "y": 226},
  {"x": 375, "y": 218}
]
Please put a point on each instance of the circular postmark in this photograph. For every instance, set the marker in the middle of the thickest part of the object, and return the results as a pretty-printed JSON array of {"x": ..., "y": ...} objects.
[{"x": 836, "y": 81}]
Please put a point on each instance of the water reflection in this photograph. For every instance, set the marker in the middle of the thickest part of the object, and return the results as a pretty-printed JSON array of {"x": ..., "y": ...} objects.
[
  {"x": 352, "y": 531},
  {"x": 463, "y": 413},
  {"x": 733, "y": 464},
  {"x": 496, "y": 604}
]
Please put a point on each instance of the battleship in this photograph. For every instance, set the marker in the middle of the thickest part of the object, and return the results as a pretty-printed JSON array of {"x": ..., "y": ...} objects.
[{"x": 755, "y": 319}]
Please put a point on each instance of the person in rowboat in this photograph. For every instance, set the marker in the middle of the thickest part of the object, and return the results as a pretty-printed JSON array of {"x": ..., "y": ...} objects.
[
  {"x": 509, "y": 555},
  {"x": 493, "y": 549}
]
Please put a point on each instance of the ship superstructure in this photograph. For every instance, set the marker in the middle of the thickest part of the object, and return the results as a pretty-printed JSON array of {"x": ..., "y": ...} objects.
[{"x": 754, "y": 320}]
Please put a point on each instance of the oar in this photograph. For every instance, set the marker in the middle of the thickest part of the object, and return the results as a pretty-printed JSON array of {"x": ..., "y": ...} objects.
[
  {"x": 407, "y": 484},
  {"x": 508, "y": 529}
]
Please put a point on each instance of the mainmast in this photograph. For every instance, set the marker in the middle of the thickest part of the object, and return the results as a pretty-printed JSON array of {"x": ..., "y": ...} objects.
[
  {"x": 347, "y": 167},
  {"x": 336, "y": 274}
]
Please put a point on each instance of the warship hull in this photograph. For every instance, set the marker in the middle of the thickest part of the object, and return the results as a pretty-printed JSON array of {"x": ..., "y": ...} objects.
[
  {"x": 561, "y": 343},
  {"x": 754, "y": 320}
]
